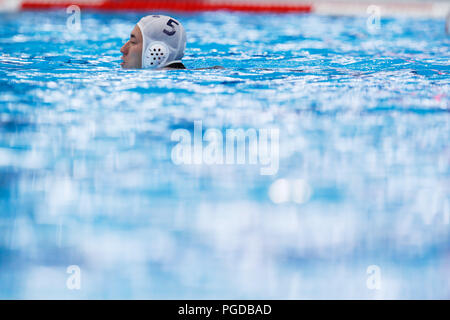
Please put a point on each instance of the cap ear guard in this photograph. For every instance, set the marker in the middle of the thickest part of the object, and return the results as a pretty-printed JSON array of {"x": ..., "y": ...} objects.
[{"x": 156, "y": 55}]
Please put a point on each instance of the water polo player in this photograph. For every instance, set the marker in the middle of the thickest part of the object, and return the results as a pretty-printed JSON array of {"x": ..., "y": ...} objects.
[{"x": 156, "y": 42}]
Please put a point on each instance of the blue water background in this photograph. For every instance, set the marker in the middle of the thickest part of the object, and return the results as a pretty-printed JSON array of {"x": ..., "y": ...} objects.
[{"x": 87, "y": 179}]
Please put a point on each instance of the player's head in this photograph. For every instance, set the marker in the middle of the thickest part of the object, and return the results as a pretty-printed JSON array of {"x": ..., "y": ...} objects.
[{"x": 155, "y": 42}]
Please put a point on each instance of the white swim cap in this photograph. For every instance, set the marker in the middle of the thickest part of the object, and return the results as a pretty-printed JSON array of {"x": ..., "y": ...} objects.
[{"x": 164, "y": 41}]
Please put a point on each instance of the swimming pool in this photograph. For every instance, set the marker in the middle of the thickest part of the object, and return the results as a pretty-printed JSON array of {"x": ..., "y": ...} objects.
[{"x": 87, "y": 178}]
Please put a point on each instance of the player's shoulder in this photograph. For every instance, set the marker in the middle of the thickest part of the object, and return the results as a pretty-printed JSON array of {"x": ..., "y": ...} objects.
[
  {"x": 179, "y": 65},
  {"x": 175, "y": 65}
]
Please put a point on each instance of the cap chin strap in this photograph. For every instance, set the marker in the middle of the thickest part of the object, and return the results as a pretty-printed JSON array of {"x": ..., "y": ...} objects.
[{"x": 156, "y": 55}]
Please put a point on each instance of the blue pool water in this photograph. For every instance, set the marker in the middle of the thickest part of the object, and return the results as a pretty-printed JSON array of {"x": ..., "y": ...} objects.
[{"x": 87, "y": 177}]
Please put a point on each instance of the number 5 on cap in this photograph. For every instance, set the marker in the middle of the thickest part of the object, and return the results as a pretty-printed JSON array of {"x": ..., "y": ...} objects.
[{"x": 170, "y": 24}]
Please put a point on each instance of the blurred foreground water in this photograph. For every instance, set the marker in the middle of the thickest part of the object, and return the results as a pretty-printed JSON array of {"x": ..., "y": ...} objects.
[{"x": 360, "y": 205}]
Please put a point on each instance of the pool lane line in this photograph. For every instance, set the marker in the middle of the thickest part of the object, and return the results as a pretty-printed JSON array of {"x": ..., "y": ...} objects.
[
  {"x": 184, "y": 6},
  {"x": 415, "y": 8}
]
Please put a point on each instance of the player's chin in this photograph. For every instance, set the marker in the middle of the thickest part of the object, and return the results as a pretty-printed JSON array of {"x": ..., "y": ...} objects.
[{"x": 125, "y": 65}]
